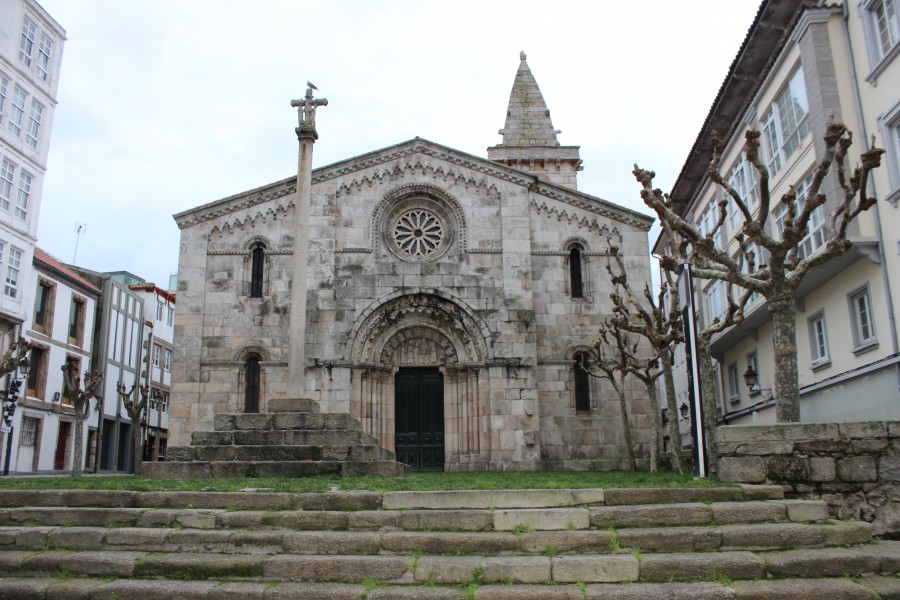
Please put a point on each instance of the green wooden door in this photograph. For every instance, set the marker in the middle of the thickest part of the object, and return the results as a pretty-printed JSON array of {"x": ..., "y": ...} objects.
[{"x": 419, "y": 404}]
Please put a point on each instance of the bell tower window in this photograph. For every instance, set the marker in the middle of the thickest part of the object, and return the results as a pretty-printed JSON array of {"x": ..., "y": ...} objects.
[
  {"x": 257, "y": 267},
  {"x": 576, "y": 275}
]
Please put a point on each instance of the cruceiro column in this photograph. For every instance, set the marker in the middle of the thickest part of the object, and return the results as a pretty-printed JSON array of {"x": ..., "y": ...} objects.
[{"x": 307, "y": 136}]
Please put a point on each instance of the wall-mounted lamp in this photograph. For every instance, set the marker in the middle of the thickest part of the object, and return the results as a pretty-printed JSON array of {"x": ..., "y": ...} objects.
[
  {"x": 684, "y": 409},
  {"x": 751, "y": 378}
]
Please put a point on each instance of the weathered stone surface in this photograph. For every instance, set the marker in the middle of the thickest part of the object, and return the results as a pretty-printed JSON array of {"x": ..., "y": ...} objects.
[
  {"x": 857, "y": 468},
  {"x": 658, "y": 591},
  {"x": 77, "y": 538},
  {"x": 650, "y": 515},
  {"x": 331, "y": 542},
  {"x": 299, "y": 421},
  {"x": 863, "y": 429},
  {"x": 528, "y": 592},
  {"x": 683, "y": 539},
  {"x": 212, "y": 438},
  {"x": 769, "y": 536},
  {"x": 238, "y": 590},
  {"x": 456, "y": 569},
  {"x": 458, "y": 520},
  {"x": 192, "y": 565},
  {"x": 594, "y": 568},
  {"x": 306, "y": 520},
  {"x": 102, "y": 564},
  {"x": 406, "y": 592},
  {"x": 805, "y": 510},
  {"x": 542, "y": 519},
  {"x": 565, "y": 542},
  {"x": 787, "y": 468},
  {"x": 449, "y": 542},
  {"x": 822, "y": 468},
  {"x": 634, "y": 496},
  {"x": 297, "y": 405},
  {"x": 726, "y": 513},
  {"x": 887, "y": 588},
  {"x": 778, "y": 432},
  {"x": 314, "y": 591},
  {"x": 687, "y": 567},
  {"x": 826, "y": 562},
  {"x": 373, "y": 519},
  {"x": 134, "y": 589},
  {"x": 253, "y": 421},
  {"x": 802, "y": 589},
  {"x": 744, "y": 469},
  {"x": 354, "y": 501},
  {"x": 822, "y": 446},
  {"x": 336, "y": 568},
  {"x": 889, "y": 468}
]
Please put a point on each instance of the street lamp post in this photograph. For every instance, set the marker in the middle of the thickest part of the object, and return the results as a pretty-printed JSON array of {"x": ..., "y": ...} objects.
[{"x": 10, "y": 397}]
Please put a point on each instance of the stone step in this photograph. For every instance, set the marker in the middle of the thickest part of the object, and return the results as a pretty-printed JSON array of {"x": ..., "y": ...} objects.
[
  {"x": 456, "y": 570},
  {"x": 365, "y": 532},
  {"x": 285, "y": 420},
  {"x": 282, "y": 405},
  {"x": 234, "y": 469},
  {"x": 277, "y": 437},
  {"x": 19, "y": 588},
  {"x": 721, "y": 513}
]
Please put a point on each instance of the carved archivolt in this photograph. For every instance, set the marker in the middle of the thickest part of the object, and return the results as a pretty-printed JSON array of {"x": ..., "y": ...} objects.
[
  {"x": 235, "y": 223},
  {"x": 442, "y": 331}
]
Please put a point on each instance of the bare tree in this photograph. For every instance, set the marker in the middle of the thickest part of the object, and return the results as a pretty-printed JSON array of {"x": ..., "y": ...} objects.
[
  {"x": 658, "y": 320},
  {"x": 80, "y": 397},
  {"x": 612, "y": 356},
  {"x": 779, "y": 279},
  {"x": 14, "y": 356},
  {"x": 135, "y": 410}
]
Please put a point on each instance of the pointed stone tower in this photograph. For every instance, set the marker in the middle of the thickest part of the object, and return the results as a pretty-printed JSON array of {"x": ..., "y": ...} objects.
[{"x": 529, "y": 139}]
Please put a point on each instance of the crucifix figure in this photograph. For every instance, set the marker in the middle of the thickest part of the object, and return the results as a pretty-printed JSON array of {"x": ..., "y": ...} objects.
[{"x": 306, "y": 112}]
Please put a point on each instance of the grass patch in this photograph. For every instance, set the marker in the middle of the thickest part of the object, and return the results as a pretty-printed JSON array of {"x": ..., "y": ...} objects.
[
  {"x": 549, "y": 550},
  {"x": 521, "y": 529},
  {"x": 487, "y": 480}
]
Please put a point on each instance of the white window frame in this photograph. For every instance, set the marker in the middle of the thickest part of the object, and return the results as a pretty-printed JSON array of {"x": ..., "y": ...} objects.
[
  {"x": 33, "y": 129},
  {"x": 156, "y": 351},
  {"x": 7, "y": 183},
  {"x": 879, "y": 55},
  {"x": 4, "y": 92},
  {"x": 159, "y": 311},
  {"x": 889, "y": 128},
  {"x": 167, "y": 365},
  {"x": 781, "y": 144},
  {"x": 818, "y": 341},
  {"x": 28, "y": 430},
  {"x": 816, "y": 236},
  {"x": 734, "y": 382},
  {"x": 23, "y": 195},
  {"x": 17, "y": 111},
  {"x": 170, "y": 316},
  {"x": 715, "y": 300},
  {"x": 26, "y": 42},
  {"x": 862, "y": 320},
  {"x": 13, "y": 270},
  {"x": 44, "y": 57}
]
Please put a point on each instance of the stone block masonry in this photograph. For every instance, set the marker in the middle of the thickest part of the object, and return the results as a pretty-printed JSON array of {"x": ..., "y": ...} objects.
[{"x": 854, "y": 467}]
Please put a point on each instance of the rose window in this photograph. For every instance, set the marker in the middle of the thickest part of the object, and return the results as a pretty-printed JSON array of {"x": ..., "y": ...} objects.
[{"x": 418, "y": 233}]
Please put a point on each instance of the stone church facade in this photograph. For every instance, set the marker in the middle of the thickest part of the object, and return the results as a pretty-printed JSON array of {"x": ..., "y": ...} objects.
[{"x": 448, "y": 297}]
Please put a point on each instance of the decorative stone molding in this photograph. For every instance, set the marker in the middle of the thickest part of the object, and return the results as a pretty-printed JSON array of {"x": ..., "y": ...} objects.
[
  {"x": 270, "y": 214},
  {"x": 590, "y": 204},
  {"x": 244, "y": 200},
  {"x": 576, "y": 241},
  {"x": 429, "y": 199},
  {"x": 573, "y": 219}
]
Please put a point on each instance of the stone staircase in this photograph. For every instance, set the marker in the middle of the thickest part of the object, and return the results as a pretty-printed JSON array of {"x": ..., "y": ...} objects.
[
  {"x": 745, "y": 543},
  {"x": 291, "y": 440}
]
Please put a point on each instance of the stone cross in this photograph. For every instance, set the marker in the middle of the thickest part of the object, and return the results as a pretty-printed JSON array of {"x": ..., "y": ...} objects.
[{"x": 306, "y": 109}]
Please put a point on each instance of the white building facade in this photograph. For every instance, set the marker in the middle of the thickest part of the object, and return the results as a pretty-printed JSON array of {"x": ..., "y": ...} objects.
[{"x": 802, "y": 65}]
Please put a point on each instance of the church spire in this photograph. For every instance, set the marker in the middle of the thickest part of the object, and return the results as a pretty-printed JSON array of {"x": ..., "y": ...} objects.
[
  {"x": 527, "y": 118},
  {"x": 529, "y": 139}
]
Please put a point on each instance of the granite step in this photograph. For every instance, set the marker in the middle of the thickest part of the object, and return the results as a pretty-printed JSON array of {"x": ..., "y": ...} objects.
[
  {"x": 237, "y": 532},
  {"x": 238, "y": 469},
  {"x": 276, "y": 437},
  {"x": 296, "y": 405},
  {"x": 285, "y": 420},
  {"x": 456, "y": 570},
  {"x": 131, "y": 589}
]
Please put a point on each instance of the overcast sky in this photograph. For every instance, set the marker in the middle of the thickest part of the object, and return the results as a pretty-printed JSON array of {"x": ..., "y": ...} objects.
[{"x": 169, "y": 104}]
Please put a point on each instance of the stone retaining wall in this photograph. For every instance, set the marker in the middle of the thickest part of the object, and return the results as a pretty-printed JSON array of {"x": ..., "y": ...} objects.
[{"x": 853, "y": 466}]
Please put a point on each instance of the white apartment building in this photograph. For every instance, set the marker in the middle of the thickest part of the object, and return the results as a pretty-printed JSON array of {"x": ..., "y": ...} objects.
[
  {"x": 802, "y": 64},
  {"x": 61, "y": 326},
  {"x": 159, "y": 335},
  {"x": 31, "y": 46}
]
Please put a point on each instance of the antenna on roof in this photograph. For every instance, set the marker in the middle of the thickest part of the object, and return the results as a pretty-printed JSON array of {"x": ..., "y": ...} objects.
[{"x": 80, "y": 228}]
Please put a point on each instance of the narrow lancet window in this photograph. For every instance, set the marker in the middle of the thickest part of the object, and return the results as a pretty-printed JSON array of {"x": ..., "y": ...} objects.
[
  {"x": 582, "y": 383},
  {"x": 258, "y": 262},
  {"x": 251, "y": 385},
  {"x": 576, "y": 278}
]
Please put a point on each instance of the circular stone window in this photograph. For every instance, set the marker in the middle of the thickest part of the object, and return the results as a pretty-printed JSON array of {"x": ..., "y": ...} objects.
[
  {"x": 418, "y": 233},
  {"x": 418, "y": 228}
]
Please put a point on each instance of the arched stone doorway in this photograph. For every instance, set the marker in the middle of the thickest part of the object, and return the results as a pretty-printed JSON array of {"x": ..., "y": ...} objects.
[{"x": 401, "y": 350}]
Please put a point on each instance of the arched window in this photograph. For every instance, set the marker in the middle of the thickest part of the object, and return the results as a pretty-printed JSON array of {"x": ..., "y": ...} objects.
[
  {"x": 257, "y": 266},
  {"x": 582, "y": 382},
  {"x": 251, "y": 384},
  {"x": 576, "y": 278}
]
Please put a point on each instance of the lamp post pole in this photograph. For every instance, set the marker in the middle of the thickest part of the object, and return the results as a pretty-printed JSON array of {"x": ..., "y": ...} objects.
[{"x": 10, "y": 396}]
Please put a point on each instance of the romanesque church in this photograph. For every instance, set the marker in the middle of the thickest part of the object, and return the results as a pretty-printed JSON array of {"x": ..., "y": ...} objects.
[{"x": 448, "y": 299}]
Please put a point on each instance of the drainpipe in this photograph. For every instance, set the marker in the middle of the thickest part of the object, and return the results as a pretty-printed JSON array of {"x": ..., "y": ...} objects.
[{"x": 885, "y": 276}]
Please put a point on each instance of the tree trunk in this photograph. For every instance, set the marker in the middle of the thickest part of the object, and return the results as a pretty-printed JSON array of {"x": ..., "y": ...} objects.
[
  {"x": 708, "y": 397},
  {"x": 787, "y": 390},
  {"x": 77, "y": 452},
  {"x": 626, "y": 425},
  {"x": 137, "y": 447},
  {"x": 654, "y": 425},
  {"x": 665, "y": 359}
]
